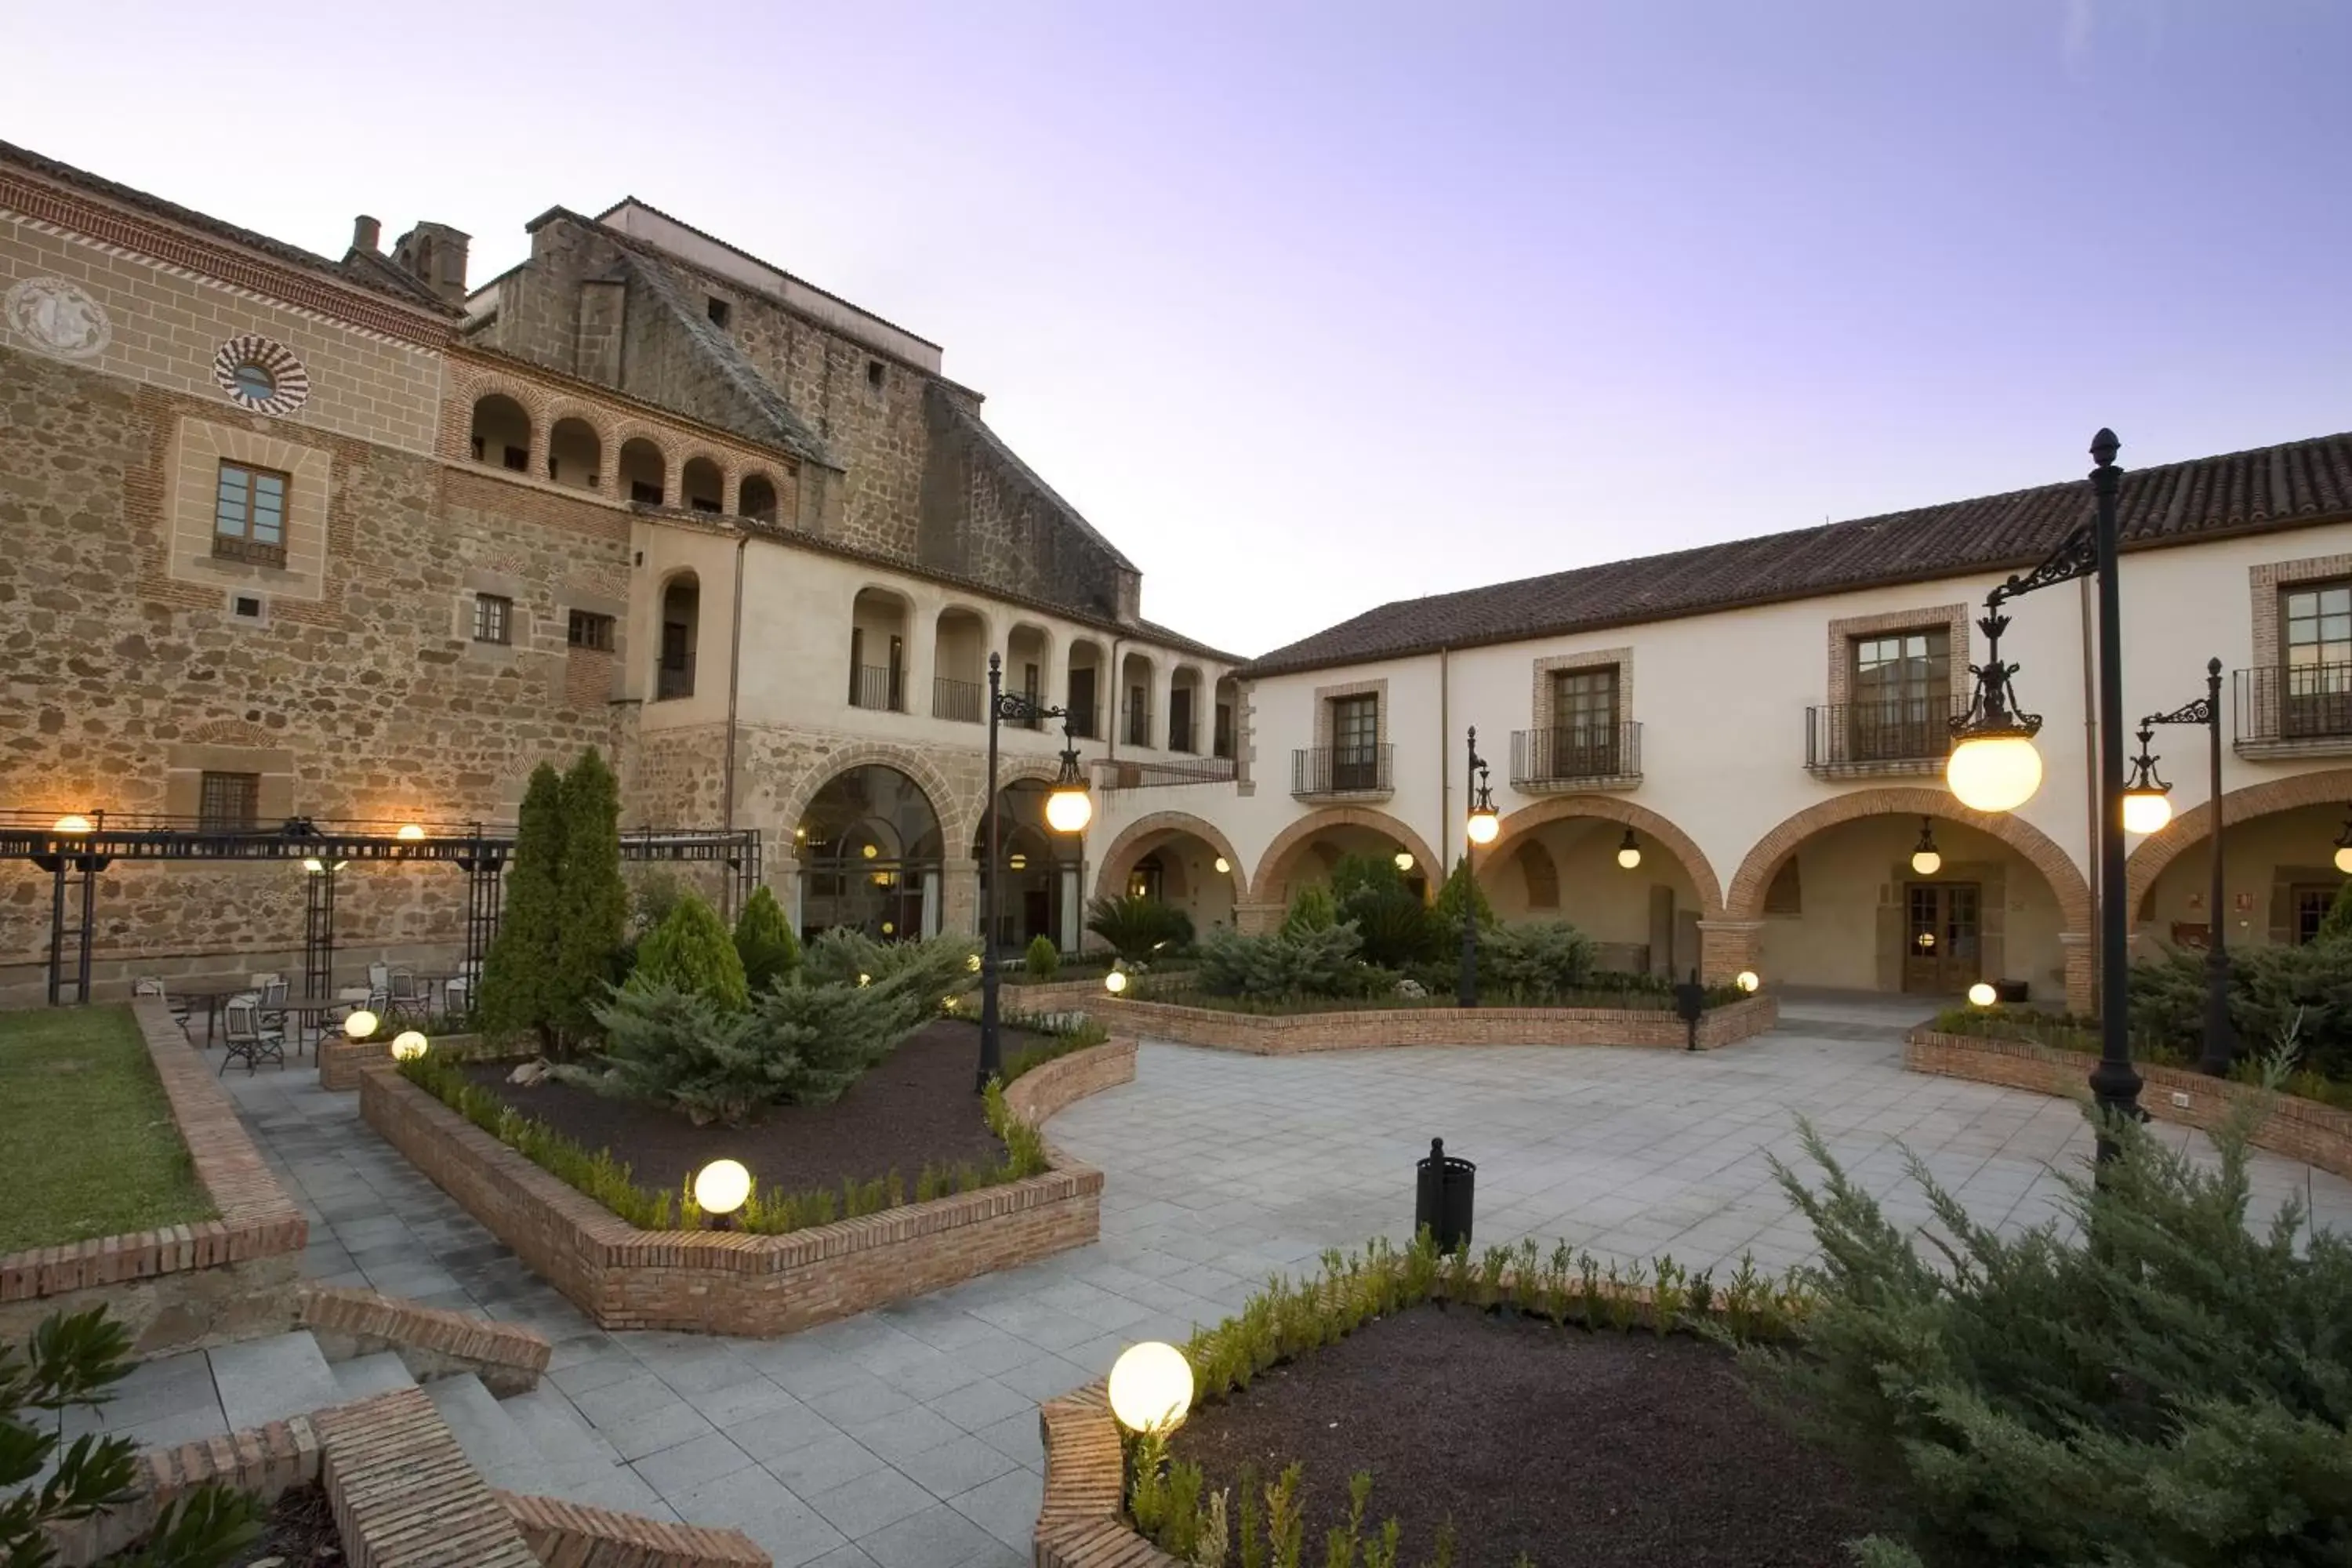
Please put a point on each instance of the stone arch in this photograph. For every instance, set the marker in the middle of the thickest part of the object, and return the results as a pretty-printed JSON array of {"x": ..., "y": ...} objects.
[
  {"x": 1261, "y": 883},
  {"x": 957, "y": 819},
  {"x": 2057, "y": 867},
  {"x": 1609, "y": 808},
  {"x": 1542, "y": 873},
  {"x": 1136, "y": 838},
  {"x": 2329, "y": 786}
]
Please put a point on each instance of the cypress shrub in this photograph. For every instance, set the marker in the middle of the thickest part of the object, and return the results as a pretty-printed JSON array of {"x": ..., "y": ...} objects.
[
  {"x": 764, "y": 942},
  {"x": 690, "y": 951},
  {"x": 592, "y": 918},
  {"x": 518, "y": 977},
  {"x": 1042, "y": 959}
]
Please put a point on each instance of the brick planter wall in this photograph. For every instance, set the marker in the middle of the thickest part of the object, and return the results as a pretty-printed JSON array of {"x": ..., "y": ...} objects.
[
  {"x": 728, "y": 1282},
  {"x": 1288, "y": 1033},
  {"x": 2303, "y": 1129},
  {"x": 187, "y": 1285},
  {"x": 340, "y": 1058},
  {"x": 431, "y": 1341}
]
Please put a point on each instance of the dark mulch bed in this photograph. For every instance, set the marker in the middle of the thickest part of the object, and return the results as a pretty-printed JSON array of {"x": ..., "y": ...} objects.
[
  {"x": 916, "y": 1108},
  {"x": 299, "y": 1533},
  {"x": 1583, "y": 1450}
]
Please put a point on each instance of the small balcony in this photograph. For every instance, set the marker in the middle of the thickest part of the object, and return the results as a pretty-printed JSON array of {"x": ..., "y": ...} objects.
[
  {"x": 1119, "y": 772},
  {"x": 1606, "y": 756},
  {"x": 1136, "y": 730},
  {"x": 874, "y": 686},
  {"x": 1343, "y": 773},
  {"x": 1085, "y": 720},
  {"x": 1910, "y": 735},
  {"x": 674, "y": 677},
  {"x": 2299, "y": 710},
  {"x": 965, "y": 701}
]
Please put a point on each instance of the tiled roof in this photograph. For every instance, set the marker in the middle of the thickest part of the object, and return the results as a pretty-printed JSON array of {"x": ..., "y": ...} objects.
[
  {"x": 759, "y": 412},
  {"x": 2269, "y": 487},
  {"x": 376, "y": 280}
]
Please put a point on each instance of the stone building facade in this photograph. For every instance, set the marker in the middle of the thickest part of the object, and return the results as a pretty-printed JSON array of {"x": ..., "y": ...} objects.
[{"x": 290, "y": 535}]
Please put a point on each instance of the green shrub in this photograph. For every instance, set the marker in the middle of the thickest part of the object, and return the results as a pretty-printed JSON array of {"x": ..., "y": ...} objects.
[
  {"x": 1063, "y": 1034},
  {"x": 1137, "y": 927},
  {"x": 1393, "y": 924},
  {"x": 73, "y": 1360},
  {"x": 2272, "y": 988},
  {"x": 1538, "y": 962},
  {"x": 1318, "y": 963},
  {"x": 691, "y": 952},
  {"x": 2336, "y": 925},
  {"x": 519, "y": 976},
  {"x": 843, "y": 954},
  {"x": 1042, "y": 959},
  {"x": 595, "y": 913},
  {"x": 2170, "y": 1393},
  {"x": 1311, "y": 908},
  {"x": 764, "y": 942},
  {"x": 1462, "y": 886}
]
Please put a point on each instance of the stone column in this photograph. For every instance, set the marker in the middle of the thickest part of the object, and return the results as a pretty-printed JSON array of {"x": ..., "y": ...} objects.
[
  {"x": 2081, "y": 949},
  {"x": 1163, "y": 686},
  {"x": 1727, "y": 947},
  {"x": 781, "y": 872},
  {"x": 922, "y": 635},
  {"x": 959, "y": 898}
]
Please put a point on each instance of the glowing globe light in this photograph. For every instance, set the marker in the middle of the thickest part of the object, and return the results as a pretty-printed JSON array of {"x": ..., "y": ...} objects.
[
  {"x": 2344, "y": 860},
  {"x": 865, "y": 980},
  {"x": 1404, "y": 860},
  {"x": 409, "y": 832},
  {"x": 1629, "y": 854},
  {"x": 1225, "y": 867},
  {"x": 870, "y": 852},
  {"x": 1485, "y": 825},
  {"x": 1150, "y": 1387},
  {"x": 1068, "y": 810},
  {"x": 1982, "y": 995},
  {"x": 1115, "y": 982},
  {"x": 407, "y": 1046},
  {"x": 973, "y": 964},
  {"x": 71, "y": 822},
  {"x": 1747, "y": 980},
  {"x": 720, "y": 1188},
  {"x": 1926, "y": 862},
  {"x": 360, "y": 1023},
  {"x": 2145, "y": 811},
  {"x": 1994, "y": 773}
]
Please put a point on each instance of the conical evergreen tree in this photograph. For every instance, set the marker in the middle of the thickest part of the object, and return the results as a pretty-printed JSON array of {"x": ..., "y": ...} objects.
[
  {"x": 595, "y": 910},
  {"x": 521, "y": 969},
  {"x": 690, "y": 950},
  {"x": 764, "y": 940}
]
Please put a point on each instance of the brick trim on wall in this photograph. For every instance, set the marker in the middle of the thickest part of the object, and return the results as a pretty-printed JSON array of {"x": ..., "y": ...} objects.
[
  {"x": 1640, "y": 818},
  {"x": 565, "y": 1534},
  {"x": 432, "y": 1342},
  {"x": 2332, "y": 786},
  {"x": 1264, "y": 881},
  {"x": 263, "y": 1462},
  {"x": 2263, "y": 583},
  {"x": 2305, "y": 1130},
  {"x": 1539, "y": 704},
  {"x": 728, "y": 1283},
  {"x": 1079, "y": 1523},
  {"x": 403, "y": 1493},
  {"x": 1952, "y": 619},
  {"x": 1326, "y": 695},
  {"x": 255, "y": 1240},
  {"x": 1137, "y": 837},
  {"x": 1293, "y": 1034}
]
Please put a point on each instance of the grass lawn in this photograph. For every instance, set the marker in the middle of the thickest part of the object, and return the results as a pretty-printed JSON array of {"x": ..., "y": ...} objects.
[{"x": 87, "y": 1146}]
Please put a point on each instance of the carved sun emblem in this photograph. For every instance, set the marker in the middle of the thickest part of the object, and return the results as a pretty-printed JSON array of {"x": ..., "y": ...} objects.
[{"x": 57, "y": 316}]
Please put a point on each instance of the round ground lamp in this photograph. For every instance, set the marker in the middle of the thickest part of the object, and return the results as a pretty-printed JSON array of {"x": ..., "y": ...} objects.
[
  {"x": 407, "y": 1046},
  {"x": 721, "y": 1186},
  {"x": 1994, "y": 772},
  {"x": 359, "y": 1024},
  {"x": 1404, "y": 860},
  {"x": 1150, "y": 1387},
  {"x": 1982, "y": 995},
  {"x": 1629, "y": 850},
  {"x": 1747, "y": 981},
  {"x": 1925, "y": 859},
  {"x": 1115, "y": 982}
]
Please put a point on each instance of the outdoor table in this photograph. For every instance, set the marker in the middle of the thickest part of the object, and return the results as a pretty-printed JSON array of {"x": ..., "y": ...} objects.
[
  {"x": 307, "y": 1010},
  {"x": 211, "y": 993}
]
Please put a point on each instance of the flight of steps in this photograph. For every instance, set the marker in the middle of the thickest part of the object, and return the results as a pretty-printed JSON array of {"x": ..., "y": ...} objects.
[{"x": 533, "y": 1443}]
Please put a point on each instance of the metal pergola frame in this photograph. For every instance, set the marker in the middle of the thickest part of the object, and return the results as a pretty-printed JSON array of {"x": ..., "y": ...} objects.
[{"x": 324, "y": 845}]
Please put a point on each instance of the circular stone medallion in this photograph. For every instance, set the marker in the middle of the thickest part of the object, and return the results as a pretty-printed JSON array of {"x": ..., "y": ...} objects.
[{"x": 57, "y": 316}]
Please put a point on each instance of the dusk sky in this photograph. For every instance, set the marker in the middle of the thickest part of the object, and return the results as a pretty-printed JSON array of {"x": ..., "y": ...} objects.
[{"x": 1313, "y": 307}]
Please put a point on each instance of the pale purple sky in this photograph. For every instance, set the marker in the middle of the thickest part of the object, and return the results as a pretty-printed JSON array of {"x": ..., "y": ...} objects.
[{"x": 1310, "y": 307}]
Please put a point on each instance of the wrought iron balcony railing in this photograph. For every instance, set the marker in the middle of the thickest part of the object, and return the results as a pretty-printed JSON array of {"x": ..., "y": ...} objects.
[
  {"x": 2303, "y": 708},
  {"x": 874, "y": 686},
  {"x": 1342, "y": 770},
  {"x": 1899, "y": 735},
  {"x": 1560, "y": 759},
  {"x": 1120, "y": 772},
  {"x": 965, "y": 701},
  {"x": 1085, "y": 721},
  {"x": 674, "y": 677}
]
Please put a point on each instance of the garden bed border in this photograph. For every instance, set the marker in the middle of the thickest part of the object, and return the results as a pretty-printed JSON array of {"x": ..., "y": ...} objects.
[
  {"x": 341, "y": 1058},
  {"x": 729, "y": 1282},
  {"x": 183, "y": 1286},
  {"x": 1291, "y": 1034},
  {"x": 2319, "y": 1135}
]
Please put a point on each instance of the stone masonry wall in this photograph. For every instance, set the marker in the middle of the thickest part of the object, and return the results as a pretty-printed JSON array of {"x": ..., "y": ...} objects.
[{"x": 369, "y": 702}]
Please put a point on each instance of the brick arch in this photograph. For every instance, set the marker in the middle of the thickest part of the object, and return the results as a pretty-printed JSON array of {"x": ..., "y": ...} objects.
[
  {"x": 2057, "y": 867},
  {"x": 2329, "y": 786},
  {"x": 595, "y": 419},
  {"x": 955, "y": 819},
  {"x": 1262, "y": 884},
  {"x": 1609, "y": 809},
  {"x": 231, "y": 732},
  {"x": 1010, "y": 771},
  {"x": 1136, "y": 838}
]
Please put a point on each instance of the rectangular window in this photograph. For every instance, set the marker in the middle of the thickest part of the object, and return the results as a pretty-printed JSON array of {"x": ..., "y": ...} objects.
[
  {"x": 1221, "y": 743},
  {"x": 2316, "y": 622},
  {"x": 2312, "y": 902},
  {"x": 1902, "y": 695},
  {"x": 228, "y": 802},
  {"x": 589, "y": 630},
  {"x": 493, "y": 618},
  {"x": 1356, "y": 743},
  {"x": 718, "y": 310},
  {"x": 1583, "y": 739},
  {"x": 249, "y": 514}
]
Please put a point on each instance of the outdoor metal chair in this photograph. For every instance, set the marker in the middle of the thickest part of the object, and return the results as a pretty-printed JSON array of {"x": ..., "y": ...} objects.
[
  {"x": 247, "y": 1036},
  {"x": 273, "y": 1003},
  {"x": 379, "y": 976},
  {"x": 150, "y": 985},
  {"x": 457, "y": 993},
  {"x": 410, "y": 1000}
]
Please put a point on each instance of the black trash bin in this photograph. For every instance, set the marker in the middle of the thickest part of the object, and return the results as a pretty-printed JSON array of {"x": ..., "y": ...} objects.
[{"x": 1442, "y": 1197}]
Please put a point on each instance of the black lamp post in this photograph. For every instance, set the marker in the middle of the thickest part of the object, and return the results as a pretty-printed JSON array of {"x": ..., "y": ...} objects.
[
  {"x": 1068, "y": 809},
  {"x": 2147, "y": 809},
  {"x": 1994, "y": 766},
  {"x": 1481, "y": 829}
]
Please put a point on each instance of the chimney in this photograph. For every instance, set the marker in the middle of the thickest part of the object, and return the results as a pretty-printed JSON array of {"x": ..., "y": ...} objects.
[
  {"x": 435, "y": 254},
  {"x": 366, "y": 234}
]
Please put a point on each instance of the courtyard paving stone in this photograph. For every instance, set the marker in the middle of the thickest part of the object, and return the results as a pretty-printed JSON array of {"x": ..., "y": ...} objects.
[{"x": 909, "y": 1434}]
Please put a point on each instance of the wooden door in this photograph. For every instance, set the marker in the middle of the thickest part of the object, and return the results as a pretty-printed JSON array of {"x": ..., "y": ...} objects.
[{"x": 1943, "y": 937}]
